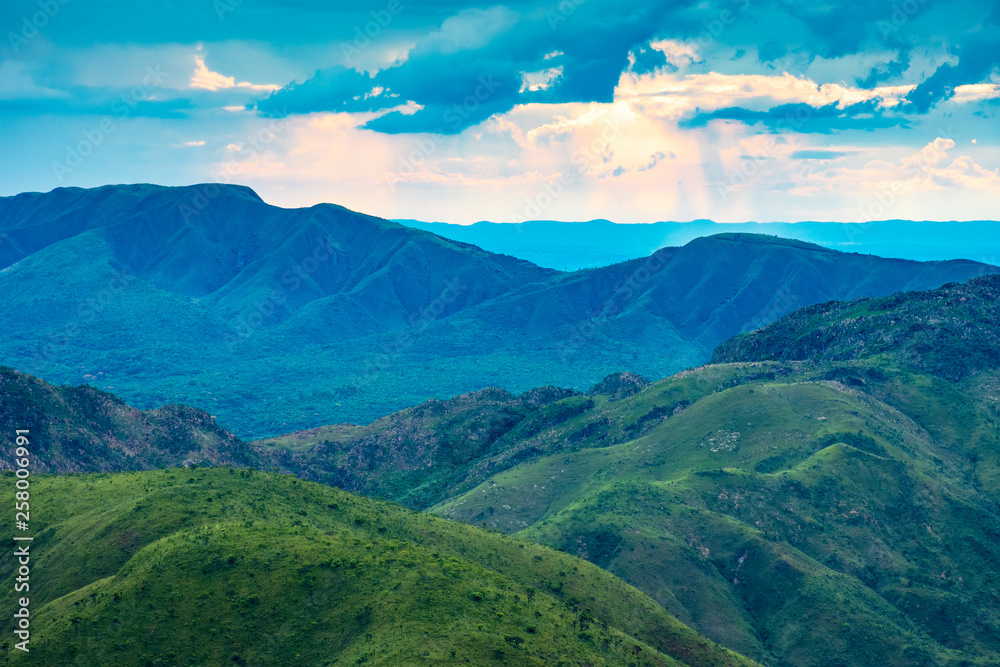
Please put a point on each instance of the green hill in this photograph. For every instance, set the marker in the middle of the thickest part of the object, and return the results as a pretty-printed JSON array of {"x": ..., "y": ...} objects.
[
  {"x": 225, "y": 566},
  {"x": 783, "y": 512},
  {"x": 828, "y": 500},
  {"x": 83, "y": 429},
  {"x": 951, "y": 332}
]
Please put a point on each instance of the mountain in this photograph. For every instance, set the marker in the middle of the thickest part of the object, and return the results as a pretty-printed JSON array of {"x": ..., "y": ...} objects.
[
  {"x": 282, "y": 319},
  {"x": 952, "y": 332},
  {"x": 827, "y": 494},
  {"x": 82, "y": 429},
  {"x": 569, "y": 246},
  {"x": 229, "y": 566},
  {"x": 837, "y": 505}
]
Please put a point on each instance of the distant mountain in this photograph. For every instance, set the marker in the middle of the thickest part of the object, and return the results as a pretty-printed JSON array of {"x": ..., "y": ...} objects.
[
  {"x": 569, "y": 246},
  {"x": 282, "y": 319}
]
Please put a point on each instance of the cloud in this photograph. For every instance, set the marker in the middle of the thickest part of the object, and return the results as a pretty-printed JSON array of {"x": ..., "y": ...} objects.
[
  {"x": 469, "y": 30},
  {"x": 805, "y": 118},
  {"x": 206, "y": 79},
  {"x": 528, "y": 58},
  {"x": 976, "y": 61},
  {"x": 814, "y": 154},
  {"x": 926, "y": 170},
  {"x": 17, "y": 83},
  {"x": 543, "y": 80},
  {"x": 676, "y": 53}
]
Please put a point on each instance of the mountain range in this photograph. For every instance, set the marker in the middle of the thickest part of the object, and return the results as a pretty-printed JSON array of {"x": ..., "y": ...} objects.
[
  {"x": 824, "y": 493},
  {"x": 569, "y": 246},
  {"x": 276, "y": 320}
]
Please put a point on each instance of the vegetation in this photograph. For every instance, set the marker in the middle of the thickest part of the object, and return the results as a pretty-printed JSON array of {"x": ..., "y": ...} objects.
[
  {"x": 950, "y": 332},
  {"x": 225, "y": 566},
  {"x": 795, "y": 519},
  {"x": 277, "y": 320}
]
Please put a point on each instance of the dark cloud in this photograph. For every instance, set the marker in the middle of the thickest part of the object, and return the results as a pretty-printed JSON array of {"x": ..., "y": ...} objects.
[
  {"x": 648, "y": 59},
  {"x": 885, "y": 71},
  {"x": 804, "y": 118},
  {"x": 975, "y": 63},
  {"x": 462, "y": 88},
  {"x": 815, "y": 154}
]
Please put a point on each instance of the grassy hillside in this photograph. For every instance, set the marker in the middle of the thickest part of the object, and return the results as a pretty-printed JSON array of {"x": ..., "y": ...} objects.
[
  {"x": 786, "y": 510},
  {"x": 225, "y": 566}
]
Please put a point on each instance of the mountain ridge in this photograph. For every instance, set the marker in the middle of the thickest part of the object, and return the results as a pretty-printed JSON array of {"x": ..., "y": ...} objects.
[{"x": 322, "y": 315}]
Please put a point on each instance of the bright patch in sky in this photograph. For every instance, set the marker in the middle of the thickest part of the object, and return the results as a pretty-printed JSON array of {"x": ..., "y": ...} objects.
[{"x": 627, "y": 110}]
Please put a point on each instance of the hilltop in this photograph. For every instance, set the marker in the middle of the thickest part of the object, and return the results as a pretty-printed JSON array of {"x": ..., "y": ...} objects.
[
  {"x": 230, "y": 566},
  {"x": 842, "y": 504},
  {"x": 952, "y": 332},
  {"x": 570, "y": 246}
]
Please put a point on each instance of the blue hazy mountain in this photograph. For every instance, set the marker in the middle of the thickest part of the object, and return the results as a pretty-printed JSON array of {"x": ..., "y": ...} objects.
[
  {"x": 280, "y": 319},
  {"x": 576, "y": 245}
]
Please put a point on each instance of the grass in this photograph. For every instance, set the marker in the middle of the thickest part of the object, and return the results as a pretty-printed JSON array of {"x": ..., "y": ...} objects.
[
  {"x": 220, "y": 566},
  {"x": 792, "y": 512}
]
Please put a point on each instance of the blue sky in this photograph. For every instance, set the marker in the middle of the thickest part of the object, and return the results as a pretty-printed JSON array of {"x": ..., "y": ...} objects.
[{"x": 634, "y": 111}]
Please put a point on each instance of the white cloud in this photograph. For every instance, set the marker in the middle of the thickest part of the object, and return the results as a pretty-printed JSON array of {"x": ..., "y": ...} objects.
[
  {"x": 681, "y": 93},
  {"x": 543, "y": 80},
  {"x": 926, "y": 170},
  {"x": 206, "y": 79},
  {"x": 975, "y": 92},
  {"x": 678, "y": 53},
  {"x": 469, "y": 29}
]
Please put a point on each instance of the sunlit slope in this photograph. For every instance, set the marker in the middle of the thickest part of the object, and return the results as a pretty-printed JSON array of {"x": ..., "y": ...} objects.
[
  {"x": 219, "y": 566},
  {"x": 791, "y": 516}
]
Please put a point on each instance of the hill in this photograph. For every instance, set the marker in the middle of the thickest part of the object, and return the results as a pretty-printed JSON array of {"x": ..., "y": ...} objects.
[
  {"x": 952, "y": 332},
  {"x": 799, "y": 513},
  {"x": 837, "y": 509},
  {"x": 83, "y": 429},
  {"x": 283, "y": 319},
  {"x": 236, "y": 567},
  {"x": 570, "y": 246}
]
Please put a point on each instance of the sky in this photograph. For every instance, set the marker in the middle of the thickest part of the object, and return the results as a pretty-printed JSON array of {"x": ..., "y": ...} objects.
[{"x": 629, "y": 110}]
